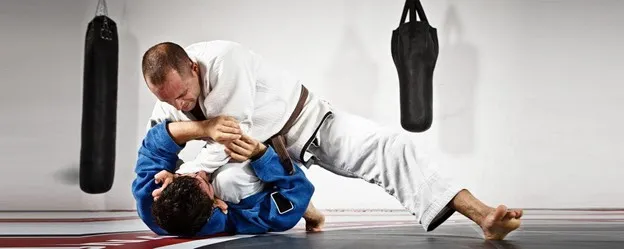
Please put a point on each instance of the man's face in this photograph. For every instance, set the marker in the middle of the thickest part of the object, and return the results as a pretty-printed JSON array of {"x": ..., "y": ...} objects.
[
  {"x": 202, "y": 178},
  {"x": 204, "y": 183},
  {"x": 179, "y": 91}
]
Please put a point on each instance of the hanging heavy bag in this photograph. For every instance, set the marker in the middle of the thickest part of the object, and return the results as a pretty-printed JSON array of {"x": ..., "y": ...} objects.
[
  {"x": 415, "y": 52},
  {"x": 99, "y": 108}
]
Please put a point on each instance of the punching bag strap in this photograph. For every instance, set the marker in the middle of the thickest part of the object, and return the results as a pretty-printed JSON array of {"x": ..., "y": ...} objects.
[
  {"x": 413, "y": 6},
  {"x": 421, "y": 12}
]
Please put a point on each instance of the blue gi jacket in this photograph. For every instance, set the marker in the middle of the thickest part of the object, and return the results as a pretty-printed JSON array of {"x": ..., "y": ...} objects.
[{"x": 259, "y": 213}]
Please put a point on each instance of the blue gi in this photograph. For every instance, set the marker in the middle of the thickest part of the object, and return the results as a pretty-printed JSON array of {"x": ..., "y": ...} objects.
[{"x": 277, "y": 208}]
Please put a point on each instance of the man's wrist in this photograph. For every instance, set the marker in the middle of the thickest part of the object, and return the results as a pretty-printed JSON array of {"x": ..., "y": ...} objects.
[
  {"x": 195, "y": 129},
  {"x": 184, "y": 131},
  {"x": 203, "y": 129},
  {"x": 259, "y": 151}
]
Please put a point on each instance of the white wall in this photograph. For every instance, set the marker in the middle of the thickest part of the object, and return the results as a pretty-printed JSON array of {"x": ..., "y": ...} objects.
[
  {"x": 41, "y": 65},
  {"x": 527, "y": 93}
]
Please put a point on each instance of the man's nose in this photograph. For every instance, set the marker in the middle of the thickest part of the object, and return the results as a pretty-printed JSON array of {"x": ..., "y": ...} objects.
[{"x": 178, "y": 104}]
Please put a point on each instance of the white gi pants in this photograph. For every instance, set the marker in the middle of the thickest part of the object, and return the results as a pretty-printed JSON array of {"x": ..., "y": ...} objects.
[{"x": 352, "y": 146}]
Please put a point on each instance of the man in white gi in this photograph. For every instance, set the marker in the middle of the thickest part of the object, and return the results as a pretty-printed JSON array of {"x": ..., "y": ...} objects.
[{"x": 216, "y": 78}]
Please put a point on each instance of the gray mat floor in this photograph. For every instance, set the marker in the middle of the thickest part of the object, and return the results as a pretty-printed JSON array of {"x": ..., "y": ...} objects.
[
  {"x": 534, "y": 234},
  {"x": 553, "y": 229}
]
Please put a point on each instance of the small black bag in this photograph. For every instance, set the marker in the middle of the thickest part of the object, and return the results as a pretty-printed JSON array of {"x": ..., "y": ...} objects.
[{"x": 415, "y": 53}]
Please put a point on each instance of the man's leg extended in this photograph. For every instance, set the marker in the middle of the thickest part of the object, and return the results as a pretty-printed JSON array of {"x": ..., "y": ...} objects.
[{"x": 393, "y": 161}]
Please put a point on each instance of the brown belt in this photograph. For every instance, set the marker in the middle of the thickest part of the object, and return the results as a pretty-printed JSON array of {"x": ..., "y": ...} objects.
[{"x": 279, "y": 141}]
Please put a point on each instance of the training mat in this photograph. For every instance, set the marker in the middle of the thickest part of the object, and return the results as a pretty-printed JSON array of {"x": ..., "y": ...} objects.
[{"x": 534, "y": 235}]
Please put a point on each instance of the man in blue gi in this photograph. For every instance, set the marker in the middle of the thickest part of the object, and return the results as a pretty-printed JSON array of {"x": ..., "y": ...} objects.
[{"x": 185, "y": 205}]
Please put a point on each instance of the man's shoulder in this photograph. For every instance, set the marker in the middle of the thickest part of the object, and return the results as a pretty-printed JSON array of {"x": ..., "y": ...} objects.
[{"x": 214, "y": 47}]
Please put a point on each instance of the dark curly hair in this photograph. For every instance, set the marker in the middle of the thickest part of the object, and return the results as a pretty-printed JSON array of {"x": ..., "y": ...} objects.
[{"x": 182, "y": 208}]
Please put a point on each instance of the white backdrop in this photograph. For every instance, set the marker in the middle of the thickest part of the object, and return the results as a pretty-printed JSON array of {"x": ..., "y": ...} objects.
[{"x": 527, "y": 93}]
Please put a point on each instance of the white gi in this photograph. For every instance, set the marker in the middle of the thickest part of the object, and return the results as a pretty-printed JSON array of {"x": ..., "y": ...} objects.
[{"x": 238, "y": 83}]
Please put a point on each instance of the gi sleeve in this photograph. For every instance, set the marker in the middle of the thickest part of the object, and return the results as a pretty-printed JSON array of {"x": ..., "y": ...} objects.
[
  {"x": 160, "y": 114},
  {"x": 210, "y": 158},
  {"x": 158, "y": 152}
]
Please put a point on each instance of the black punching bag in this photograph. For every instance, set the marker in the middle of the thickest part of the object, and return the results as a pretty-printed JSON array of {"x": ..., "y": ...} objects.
[
  {"x": 99, "y": 105},
  {"x": 415, "y": 52}
]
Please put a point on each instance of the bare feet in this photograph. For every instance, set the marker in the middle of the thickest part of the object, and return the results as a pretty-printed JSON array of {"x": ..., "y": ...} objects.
[
  {"x": 495, "y": 222},
  {"x": 315, "y": 225},
  {"x": 500, "y": 222},
  {"x": 315, "y": 220}
]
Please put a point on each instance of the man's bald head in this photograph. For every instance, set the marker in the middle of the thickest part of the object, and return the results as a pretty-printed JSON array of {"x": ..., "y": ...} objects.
[
  {"x": 161, "y": 59},
  {"x": 172, "y": 76}
]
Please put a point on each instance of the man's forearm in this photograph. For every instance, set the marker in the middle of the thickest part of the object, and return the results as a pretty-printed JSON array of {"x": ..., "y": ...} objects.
[{"x": 185, "y": 131}]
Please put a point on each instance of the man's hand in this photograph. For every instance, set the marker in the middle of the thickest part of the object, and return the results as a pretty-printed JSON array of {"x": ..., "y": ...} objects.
[
  {"x": 244, "y": 148},
  {"x": 223, "y": 129},
  {"x": 164, "y": 177},
  {"x": 221, "y": 205}
]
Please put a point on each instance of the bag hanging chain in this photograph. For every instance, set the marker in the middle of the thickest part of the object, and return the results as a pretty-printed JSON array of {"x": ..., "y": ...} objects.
[{"x": 101, "y": 9}]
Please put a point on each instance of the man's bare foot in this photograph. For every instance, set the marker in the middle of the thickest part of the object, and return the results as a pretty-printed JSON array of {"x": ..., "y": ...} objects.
[
  {"x": 315, "y": 220},
  {"x": 495, "y": 222},
  {"x": 500, "y": 222},
  {"x": 315, "y": 224}
]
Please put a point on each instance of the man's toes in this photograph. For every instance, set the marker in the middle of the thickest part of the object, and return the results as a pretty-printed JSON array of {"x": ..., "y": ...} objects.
[
  {"x": 500, "y": 212},
  {"x": 513, "y": 214},
  {"x": 510, "y": 215},
  {"x": 313, "y": 228}
]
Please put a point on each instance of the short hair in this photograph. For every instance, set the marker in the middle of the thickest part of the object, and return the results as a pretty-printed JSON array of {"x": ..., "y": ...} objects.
[
  {"x": 182, "y": 208},
  {"x": 161, "y": 58}
]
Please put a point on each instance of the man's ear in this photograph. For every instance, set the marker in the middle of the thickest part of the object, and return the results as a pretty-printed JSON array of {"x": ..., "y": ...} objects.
[{"x": 195, "y": 67}]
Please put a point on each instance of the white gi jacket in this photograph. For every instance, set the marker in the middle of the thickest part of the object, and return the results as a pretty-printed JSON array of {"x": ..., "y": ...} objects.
[{"x": 238, "y": 83}]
